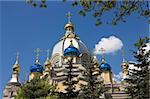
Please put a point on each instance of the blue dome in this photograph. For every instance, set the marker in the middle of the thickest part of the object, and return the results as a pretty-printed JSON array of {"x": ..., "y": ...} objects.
[
  {"x": 105, "y": 67},
  {"x": 71, "y": 50},
  {"x": 36, "y": 68}
]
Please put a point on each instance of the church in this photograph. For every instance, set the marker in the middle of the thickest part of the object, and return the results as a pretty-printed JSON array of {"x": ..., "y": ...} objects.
[{"x": 70, "y": 48}]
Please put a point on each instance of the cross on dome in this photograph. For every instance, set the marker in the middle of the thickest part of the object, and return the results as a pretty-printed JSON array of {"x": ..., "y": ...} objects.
[
  {"x": 17, "y": 55},
  {"x": 123, "y": 54},
  {"x": 47, "y": 59},
  {"x": 102, "y": 51},
  {"x": 17, "y": 58},
  {"x": 37, "y": 51},
  {"x": 47, "y": 51},
  {"x": 69, "y": 17},
  {"x": 69, "y": 27}
]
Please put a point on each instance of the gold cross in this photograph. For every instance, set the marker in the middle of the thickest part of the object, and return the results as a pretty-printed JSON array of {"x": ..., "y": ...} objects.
[
  {"x": 47, "y": 53},
  {"x": 102, "y": 50},
  {"x": 17, "y": 56},
  {"x": 69, "y": 17},
  {"x": 37, "y": 53},
  {"x": 123, "y": 54}
]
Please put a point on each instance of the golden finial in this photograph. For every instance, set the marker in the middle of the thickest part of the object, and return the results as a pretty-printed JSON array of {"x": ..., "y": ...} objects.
[
  {"x": 16, "y": 66},
  {"x": 37, "y": 51},
  {"x": 69, "y": 17}
]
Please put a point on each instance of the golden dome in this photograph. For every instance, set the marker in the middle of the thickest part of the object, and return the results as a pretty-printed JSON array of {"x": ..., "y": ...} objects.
[{"x": 69, "y": 25}]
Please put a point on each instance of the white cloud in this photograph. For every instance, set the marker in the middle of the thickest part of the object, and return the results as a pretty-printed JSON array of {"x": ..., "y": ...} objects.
[{"x": 110, "y": 45}]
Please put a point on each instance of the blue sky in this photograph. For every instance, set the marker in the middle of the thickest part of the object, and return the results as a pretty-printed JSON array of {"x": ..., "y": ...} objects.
[{"x": 24, "y": 28}]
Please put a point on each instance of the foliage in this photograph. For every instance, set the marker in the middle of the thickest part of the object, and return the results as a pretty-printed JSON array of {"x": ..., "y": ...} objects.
[
  {"x": 70, "y": 83},
  {"x": 35, "y": 3},
  {"x": 94, "y": 87},
  {"x": 36, "y": 88},
  {"x": 141, "y": 42},
  {"x": 118, "y": 10},
  {"x": 138, "y": 81}
]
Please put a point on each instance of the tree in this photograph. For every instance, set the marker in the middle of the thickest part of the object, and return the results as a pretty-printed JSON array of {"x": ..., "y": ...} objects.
[
  {"x": 70, "y": 83},
  {"x": 94, "y": 87},
  {"x": 36, "y": 88},
  {"x": 138, "y": 81},
  {"x": 118, "y": 10}
]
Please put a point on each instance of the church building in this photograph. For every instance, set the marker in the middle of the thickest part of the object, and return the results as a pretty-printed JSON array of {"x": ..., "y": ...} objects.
[{"x": 70, "y": 48}]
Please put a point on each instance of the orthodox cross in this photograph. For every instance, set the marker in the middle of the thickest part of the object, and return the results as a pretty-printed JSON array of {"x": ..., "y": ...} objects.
[
  {"x": 102, "y": 51},
  {"x": 47, "y": 51},
  {"x": 123, "y": 54},
  {"x": 69, "y": 16},
  {"x": 17, "y": 56},
  {"x": 37, "y": 51}
]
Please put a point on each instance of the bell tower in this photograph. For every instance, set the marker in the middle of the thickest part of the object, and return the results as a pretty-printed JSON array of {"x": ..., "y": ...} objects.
[{"x": 106, "y": 70}]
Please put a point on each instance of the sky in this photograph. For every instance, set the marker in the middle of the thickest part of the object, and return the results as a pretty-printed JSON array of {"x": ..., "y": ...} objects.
[{"x": 24, "y": 28}]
